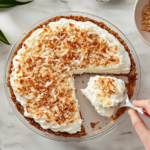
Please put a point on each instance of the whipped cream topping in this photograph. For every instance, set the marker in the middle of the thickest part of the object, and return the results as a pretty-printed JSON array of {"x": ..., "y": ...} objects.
[
  {"x": 42, "y": 70},
  {"x": 103, "y": 93}
]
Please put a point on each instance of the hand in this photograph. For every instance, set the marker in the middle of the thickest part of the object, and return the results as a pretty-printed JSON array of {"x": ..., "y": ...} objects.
[{"x": 138, "y": 123}]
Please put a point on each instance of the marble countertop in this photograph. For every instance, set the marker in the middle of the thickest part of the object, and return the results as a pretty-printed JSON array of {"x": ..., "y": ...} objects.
[{"x": 14, "y": 134}]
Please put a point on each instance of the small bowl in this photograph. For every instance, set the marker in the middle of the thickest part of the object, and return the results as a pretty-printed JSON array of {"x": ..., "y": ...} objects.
[{"x": 138, "y": 9}]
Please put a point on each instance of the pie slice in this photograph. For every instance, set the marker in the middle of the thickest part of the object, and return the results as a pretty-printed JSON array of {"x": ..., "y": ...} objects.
[{"x": 104, "y": 93}]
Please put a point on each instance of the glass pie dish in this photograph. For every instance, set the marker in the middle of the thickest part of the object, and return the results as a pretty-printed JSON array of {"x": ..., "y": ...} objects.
[{"x": 87, "y": 110}]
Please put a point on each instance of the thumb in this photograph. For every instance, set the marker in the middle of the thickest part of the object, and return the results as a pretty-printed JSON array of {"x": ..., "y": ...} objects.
[{"x": 139, "y": 126}]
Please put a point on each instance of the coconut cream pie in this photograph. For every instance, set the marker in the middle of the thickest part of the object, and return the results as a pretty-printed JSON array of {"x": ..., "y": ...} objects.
[{"x": 41, "y": 72}]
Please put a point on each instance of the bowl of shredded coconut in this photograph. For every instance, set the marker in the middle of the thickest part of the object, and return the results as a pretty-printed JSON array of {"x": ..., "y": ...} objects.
[{"x": 142, "y": 19}]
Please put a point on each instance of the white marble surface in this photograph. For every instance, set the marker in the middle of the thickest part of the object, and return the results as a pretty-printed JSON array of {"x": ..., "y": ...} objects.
[{"x": 14, "y": 134}]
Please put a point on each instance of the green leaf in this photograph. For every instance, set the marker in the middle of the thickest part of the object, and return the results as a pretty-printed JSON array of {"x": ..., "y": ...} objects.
[
  {"x": 3, "y": 38},
  {"x": 11, "y": 3}
]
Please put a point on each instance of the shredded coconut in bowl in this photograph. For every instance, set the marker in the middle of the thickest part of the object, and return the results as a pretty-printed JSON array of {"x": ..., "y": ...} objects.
[{"x": 146, "y": 18}]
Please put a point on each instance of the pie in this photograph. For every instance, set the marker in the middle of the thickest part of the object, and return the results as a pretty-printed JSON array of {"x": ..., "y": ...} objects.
[{"x": 41, "y": 80}]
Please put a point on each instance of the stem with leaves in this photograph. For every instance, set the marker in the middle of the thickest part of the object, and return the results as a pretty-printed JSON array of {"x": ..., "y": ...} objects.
[
  {"x": 8, "y": 4},
  {"x": 11, "y": 3},
  {"x": 3, "y": 38}
]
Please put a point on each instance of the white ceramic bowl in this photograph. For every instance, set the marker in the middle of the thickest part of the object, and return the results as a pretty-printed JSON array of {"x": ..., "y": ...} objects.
[{"x": 138, "y": 9}]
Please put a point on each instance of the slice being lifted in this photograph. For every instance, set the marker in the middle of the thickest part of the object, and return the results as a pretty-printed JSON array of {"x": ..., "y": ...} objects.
[
  {"x": 103, "y": 93},
  {"x": 42, "y": 69}
]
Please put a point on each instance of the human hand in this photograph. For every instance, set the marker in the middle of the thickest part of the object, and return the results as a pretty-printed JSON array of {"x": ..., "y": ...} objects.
[{"x": 138, "y": 123}]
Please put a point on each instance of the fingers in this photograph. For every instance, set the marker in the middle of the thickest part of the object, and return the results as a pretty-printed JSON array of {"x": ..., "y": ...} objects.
[
  {"x": 139, "y": 126},
  {"x": 145, "y": 104}
]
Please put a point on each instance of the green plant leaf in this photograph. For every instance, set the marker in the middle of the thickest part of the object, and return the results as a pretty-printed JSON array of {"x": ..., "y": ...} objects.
[
  {"x": 3, "y": 38},
  {"x": 11, "y": 3}
]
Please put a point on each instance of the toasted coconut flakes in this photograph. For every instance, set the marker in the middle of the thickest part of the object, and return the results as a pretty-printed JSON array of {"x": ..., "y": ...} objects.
[
  {"x": 46, "y": 59},
  {"x": 57, "y": 60},
  {"x": 106, "y": 87},
  {"x": 55, "y": 37},
  {"x": 82, "y": 57},
  {"x": 45, "y": 74},
  {"x": 55, "y": 97},
  {"x": 66, "y": 89},
  {"x": 31, "y": 57},
  {"x": 48, "y": 83},
  {"x": 146, "y": 18},
  {"x": 64, "y": 52}
]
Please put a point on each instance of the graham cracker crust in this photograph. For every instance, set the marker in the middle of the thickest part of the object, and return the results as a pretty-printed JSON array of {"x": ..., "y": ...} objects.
[{"x": 130, "y": 85}]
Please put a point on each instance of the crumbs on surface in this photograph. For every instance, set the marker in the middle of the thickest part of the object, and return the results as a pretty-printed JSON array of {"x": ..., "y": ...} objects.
[
  {"x": 101, "y": 127},
  {"x": 130, "y": 85},
  {"x": 93, "y": 124},
  {"x": 94, "y": 133},
  {"x": 112, "y": 122}
]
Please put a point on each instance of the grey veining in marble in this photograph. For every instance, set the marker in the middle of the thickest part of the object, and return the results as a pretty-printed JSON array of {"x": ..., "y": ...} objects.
[{"x": 14, "y": 134}]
